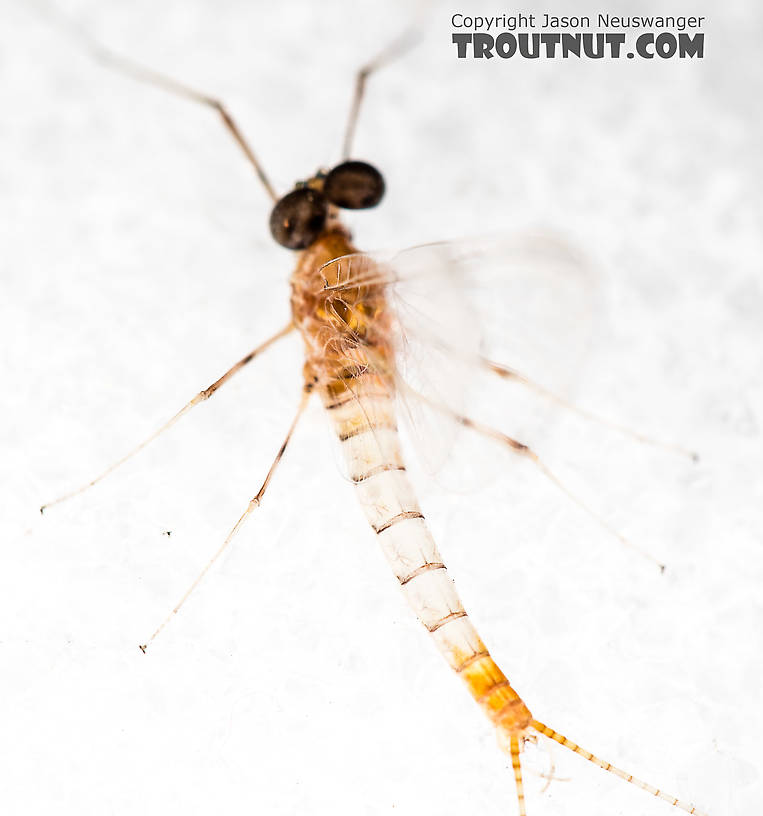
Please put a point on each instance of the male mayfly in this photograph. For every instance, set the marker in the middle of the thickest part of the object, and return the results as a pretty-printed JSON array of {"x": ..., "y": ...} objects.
[{"x": 342, "y": 308}]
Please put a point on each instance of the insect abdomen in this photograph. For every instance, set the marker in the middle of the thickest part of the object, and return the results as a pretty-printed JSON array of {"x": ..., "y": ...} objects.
[{"x": 364, "y": 420}]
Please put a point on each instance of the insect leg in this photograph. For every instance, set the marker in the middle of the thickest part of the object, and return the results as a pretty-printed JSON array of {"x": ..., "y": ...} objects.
[
  {"x": 521, "y": 449},
  {"x": 507, "y": 373},
  {"x": 255, "y": 502},
  {"x": 524, "y": 450},
  {"x": 395, "y": 49},
  {"x": 136, "y": 71},
  {"x": 567, "y": 743},
  {"x": 200, "y": 397}
]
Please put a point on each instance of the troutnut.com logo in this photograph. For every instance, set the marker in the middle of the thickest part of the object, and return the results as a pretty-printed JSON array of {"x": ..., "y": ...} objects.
[{"x": 611, "y": 36}]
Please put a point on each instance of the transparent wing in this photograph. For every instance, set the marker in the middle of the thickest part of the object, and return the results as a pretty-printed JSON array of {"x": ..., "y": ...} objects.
[
  {"x": 527, "y": 303},
  {"x": 438, "y": 338}
]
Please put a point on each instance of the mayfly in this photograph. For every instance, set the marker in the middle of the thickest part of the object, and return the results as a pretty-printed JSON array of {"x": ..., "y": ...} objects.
[{"x": 342, "y": 308}]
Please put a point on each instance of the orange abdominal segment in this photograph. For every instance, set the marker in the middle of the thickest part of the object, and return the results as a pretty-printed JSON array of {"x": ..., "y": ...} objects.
[{"x": 490, "y": 688}]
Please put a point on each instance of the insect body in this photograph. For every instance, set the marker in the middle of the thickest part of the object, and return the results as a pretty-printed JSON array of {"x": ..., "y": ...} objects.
[
  {"x": 340, "y": 307},
  {"x": 350, "y": 361}
]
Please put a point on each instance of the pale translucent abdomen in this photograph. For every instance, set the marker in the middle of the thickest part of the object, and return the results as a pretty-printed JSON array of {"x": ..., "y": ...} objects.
[{"x": 363, "y": 416}]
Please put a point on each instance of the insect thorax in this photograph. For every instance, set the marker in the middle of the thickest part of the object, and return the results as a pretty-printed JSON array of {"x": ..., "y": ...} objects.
[{"x": 340, "y": 313}]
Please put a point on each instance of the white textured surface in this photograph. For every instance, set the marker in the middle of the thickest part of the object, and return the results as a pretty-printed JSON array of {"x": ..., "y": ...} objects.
[{"x": 136, "y": 265}]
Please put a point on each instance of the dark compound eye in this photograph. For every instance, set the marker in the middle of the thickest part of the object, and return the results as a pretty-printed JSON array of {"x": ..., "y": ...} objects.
[
  {"x": 354, "y": 185},
  {"x": 298, "y": 218}
]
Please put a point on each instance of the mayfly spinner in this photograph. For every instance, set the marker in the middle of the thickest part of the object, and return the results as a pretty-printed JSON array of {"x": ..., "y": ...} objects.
[{"x": 341, "y": 308}]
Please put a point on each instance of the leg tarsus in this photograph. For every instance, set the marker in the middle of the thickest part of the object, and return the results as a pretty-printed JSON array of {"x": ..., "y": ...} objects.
[
  {"x": 138, "y": 72},
  {"x": 253, "y": 503},
  {"x": 524, "y": 450},
  {"x": 507, "y": 373},
  {"x": 200, "y": 397},
  {"x": 395, "y": 49}
]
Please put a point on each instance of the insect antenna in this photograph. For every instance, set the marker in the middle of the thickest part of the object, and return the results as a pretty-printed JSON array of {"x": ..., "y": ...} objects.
[{"x": 575, "y": 748}]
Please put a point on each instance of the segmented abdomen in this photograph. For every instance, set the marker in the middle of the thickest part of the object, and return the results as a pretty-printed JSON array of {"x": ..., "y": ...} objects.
[{"x": 363, "y": 413}]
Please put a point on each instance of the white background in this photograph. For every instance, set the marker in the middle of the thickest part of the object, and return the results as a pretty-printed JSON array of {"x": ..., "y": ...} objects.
[{"x": 137, "y": 265}]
